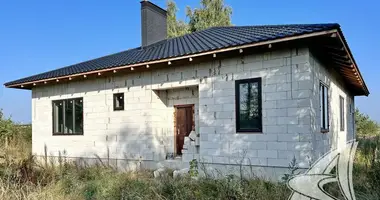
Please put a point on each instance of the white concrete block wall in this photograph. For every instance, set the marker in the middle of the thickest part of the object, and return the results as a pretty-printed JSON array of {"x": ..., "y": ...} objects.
[
  {"x": 139, "y": 132},
  {"x": 144, "y": 130},
  {"x": 335, "y": 137},
  {"x": 286, "y": 93}
]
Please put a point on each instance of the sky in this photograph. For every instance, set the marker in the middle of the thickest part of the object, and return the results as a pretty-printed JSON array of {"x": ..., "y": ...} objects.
[{"x": 37, "y": 36}]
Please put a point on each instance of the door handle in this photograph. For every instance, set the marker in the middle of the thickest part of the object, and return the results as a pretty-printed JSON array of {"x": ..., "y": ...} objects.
[{"x": 177, "y": 131}]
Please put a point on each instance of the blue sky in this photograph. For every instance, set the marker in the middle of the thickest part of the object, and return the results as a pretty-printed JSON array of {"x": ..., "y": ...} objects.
[{"x": 36, "y": 36}]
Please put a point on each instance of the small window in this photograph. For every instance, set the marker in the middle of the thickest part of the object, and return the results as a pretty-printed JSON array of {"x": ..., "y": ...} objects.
[
  {"x": 248, "y": 105},
  {"x": 118, "y": 101},
  {"x": 342, "y": 117},
  {"x": 68, "y": 117},
  {"x": 324, "y": 107}
]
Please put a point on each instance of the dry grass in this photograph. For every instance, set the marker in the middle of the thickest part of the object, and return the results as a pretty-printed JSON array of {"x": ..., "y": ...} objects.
[{"x": 21, "y": 177}]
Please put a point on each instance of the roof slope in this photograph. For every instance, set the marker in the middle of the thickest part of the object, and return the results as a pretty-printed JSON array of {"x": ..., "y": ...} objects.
[{"x": 197, "y": 42}]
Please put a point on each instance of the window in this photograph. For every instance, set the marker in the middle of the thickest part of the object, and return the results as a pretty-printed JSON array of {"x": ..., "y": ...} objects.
[
  {"x": 118, "y": 101},
  {"x": 68, "y": 117},
  {"x": 352, "y": 113},
  {"x": 324, "y": 107},
  {"x": 341, "y": 106},
  {"x": 248, "y": 105}
]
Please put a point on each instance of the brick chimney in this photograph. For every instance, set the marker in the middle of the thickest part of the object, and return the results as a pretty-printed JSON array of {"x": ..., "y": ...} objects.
[{"x": 153, "y": 23}]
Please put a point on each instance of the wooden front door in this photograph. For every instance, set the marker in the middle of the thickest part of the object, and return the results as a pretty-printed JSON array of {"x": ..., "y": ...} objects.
[{"x": 183, "y": 125}]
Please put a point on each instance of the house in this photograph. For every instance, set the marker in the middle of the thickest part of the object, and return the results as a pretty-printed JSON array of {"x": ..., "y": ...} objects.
[{"x": 255, "y": 96}]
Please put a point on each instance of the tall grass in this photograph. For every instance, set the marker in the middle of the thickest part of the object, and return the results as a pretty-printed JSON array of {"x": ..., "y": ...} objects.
[
  {"x": 22, "y": 177},
  {"x": 100, "y": 182}
]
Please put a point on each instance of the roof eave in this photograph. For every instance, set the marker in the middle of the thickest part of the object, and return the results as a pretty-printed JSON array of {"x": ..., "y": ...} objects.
[
  {"x": 349, "y": 53},
  {"x": 337, "y": 31},
  {"x": 47, "y": 81}
]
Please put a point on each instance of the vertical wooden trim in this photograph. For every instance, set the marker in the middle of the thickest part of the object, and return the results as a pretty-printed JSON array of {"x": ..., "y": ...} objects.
[
  {"x": 193, "y": 116},
  {"x": 175, "y": 130}
]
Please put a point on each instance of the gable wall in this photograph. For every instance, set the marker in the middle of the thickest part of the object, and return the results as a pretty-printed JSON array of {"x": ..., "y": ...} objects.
[{"x": 335, "y": 138}]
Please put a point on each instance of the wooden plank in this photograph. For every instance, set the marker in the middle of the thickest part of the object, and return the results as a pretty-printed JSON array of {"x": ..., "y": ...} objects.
[
  {"x": 366, "y": 91},
  {"x": 338, "y": 55}
]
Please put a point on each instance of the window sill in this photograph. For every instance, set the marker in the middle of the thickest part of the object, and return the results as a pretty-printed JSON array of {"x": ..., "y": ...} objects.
[
  {"x": 253, "y": 131},
  {"x": 67, "y": 134},
  {"x": 324, "y": 130}
]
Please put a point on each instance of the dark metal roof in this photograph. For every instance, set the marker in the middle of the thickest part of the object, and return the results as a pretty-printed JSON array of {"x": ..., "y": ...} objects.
[{"x": 197, "y": 42}]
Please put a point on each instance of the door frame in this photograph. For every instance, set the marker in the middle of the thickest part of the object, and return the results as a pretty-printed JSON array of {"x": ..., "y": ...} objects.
[{"x": 175, "y": 121}]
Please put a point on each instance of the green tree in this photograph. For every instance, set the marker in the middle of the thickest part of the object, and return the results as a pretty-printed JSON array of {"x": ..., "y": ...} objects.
[
  {"x": 211, "y": 13},
  {"x": 9, "y": 130},
  {"x": 6, "y": 128},
  {"x": 175, "y": 27},
  {"x": 365, "y": 126}
]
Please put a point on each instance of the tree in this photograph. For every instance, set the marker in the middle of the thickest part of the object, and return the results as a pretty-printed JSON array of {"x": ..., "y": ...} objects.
[
  {"x": 175, "y": 27},
  {"x": 6, "y": 128},
  {"x": 365, "y": 127},
  {"x": 212, "y": 13}
]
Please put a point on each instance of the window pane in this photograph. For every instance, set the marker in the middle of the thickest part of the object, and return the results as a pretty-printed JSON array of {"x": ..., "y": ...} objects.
[
  {"x": 322, "y": 113},
  {"x": 78, "y": 115},
  {"x": 326, "y": 107},
  {"x": 68, "y": 116},
  {"x": 69, "y": 126},
  {"x": 58, "y": 117},
  {"x": 118, "y": 101},
  {"x": 341, "y": 99},
  {"x": 249, "y": 106}
]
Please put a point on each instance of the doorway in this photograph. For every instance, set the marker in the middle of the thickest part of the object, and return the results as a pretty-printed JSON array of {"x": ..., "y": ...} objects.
[{"x": 183, "y": 125}]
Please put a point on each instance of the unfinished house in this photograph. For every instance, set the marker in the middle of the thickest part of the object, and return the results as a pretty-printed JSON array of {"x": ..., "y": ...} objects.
[{"x": 254, "y": 96}]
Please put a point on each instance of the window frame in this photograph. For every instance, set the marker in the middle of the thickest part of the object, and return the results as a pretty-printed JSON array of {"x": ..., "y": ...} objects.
[
  {"x": 342, "y": 123},
  {"x": 64, "y": 117},
  {"x": 237, "y": 105},
  {"x": 324, "y": 111},
  {"x": 115, "y": 96}
]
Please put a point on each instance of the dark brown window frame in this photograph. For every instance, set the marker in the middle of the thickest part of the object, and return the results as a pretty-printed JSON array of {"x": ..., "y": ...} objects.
[
  {"x": 341, "y": 113},
  {"x": 237, "y": 106},
  {"x": 115, "y": 96},
  {"x": 53, "y": 114},
  {"x": 325, "y": 128}
]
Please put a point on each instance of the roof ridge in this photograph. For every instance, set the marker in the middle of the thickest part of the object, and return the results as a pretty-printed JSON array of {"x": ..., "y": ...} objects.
[
  {"x": 244, "y": 26},
  {"x": 279, "y": 25}
]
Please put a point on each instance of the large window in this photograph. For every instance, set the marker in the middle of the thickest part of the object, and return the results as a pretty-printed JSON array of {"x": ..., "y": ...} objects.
[
  {"x": 248, "y": 105},
  {"x": 68, "y": 117},
  {"x": 342, "y": 117},
  {"x": 324, "y": 107}
]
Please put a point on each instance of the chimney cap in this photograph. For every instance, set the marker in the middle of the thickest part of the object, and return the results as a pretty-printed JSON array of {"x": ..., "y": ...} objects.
[{"x": 147, "y": 3}]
